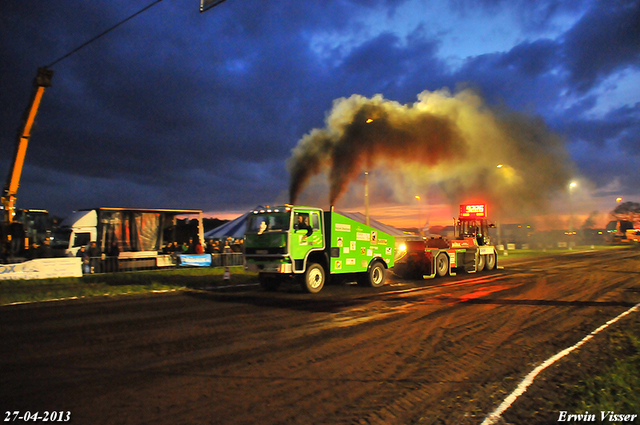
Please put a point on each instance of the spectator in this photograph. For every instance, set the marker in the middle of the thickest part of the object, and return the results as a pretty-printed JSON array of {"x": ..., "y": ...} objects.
[
  {"x": 84, "y": 255},
  {"x": 210, "y": 247},
  {"x": 199, "y": 250},
  {"x": 44, "y": 250},
  {"x": 33, "y": 251},
  {"x": 95, "y": 256},
  {"x": 237, "y": 246},
  {"x": 192, "y": 246},
  {"x": 226, "y": 258}
]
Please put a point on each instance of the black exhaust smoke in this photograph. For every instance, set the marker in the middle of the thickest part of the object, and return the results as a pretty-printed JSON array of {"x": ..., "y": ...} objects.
[{"x": 454, "y": 142}]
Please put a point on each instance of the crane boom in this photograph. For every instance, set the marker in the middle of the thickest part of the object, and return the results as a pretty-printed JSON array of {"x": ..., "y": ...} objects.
[{"x": 42, "y": 80}]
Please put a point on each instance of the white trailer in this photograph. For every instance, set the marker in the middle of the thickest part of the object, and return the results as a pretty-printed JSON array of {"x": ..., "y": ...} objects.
[{"x": 137, "y": 233}]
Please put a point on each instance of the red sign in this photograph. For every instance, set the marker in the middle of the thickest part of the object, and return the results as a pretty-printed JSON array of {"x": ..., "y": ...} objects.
[{"x": 473, "y": 210}]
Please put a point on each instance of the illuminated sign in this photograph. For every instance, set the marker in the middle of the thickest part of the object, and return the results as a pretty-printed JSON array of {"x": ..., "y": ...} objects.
[{"x": 473, "y": 210}]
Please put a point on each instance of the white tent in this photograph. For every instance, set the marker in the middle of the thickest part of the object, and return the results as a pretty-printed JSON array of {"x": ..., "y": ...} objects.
[{"x": 234, "y": 228}]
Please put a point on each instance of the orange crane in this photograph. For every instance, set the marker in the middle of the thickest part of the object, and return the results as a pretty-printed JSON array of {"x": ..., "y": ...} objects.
[
  {"x": 10, "y": 227},
  {"x": 11, "y": 230}
]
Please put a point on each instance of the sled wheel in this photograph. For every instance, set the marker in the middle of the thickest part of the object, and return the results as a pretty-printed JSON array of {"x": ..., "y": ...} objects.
[
  {"x": 442, "y": 264},
  {"x": 481, "y": 263},
  {"x": 491, "y": 261}
]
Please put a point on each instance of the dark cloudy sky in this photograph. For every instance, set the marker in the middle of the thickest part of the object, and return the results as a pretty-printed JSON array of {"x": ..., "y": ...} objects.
[{"x": 178, "y": 109}]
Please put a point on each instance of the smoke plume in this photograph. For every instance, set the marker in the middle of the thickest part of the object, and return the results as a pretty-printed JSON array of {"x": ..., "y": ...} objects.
[{"x": 452, "y": 142}]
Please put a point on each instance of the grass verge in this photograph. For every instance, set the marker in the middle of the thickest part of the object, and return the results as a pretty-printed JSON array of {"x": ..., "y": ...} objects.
[
  {"x": 616, "y": 387},
  {"x": 23, "y": 291}
]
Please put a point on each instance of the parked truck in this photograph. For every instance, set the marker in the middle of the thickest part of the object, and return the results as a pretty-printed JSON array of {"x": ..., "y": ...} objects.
[
  {"x": 469, "y": 250},
  {"x": 310, "y": 245},
  {"x": 138, "y": 234}
]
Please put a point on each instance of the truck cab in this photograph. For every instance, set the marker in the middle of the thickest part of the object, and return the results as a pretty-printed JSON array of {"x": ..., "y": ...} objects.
[
  {"x": 282, "y": 239},
  {"x": 77, "y": 230}
]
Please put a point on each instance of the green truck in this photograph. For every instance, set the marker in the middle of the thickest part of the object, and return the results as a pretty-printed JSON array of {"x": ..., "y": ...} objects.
[{"x": 309, "y": 245}]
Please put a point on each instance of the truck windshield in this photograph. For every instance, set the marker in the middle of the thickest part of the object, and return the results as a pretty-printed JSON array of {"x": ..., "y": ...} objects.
[{"x": 260, "y": 223}]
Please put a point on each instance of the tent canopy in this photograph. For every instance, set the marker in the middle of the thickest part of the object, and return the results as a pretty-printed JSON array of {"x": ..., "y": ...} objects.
[{"x": 234, "y": 228}]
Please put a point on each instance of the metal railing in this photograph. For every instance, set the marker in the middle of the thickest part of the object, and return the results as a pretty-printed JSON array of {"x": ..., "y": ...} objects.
[{"x": 107, "y": 264}]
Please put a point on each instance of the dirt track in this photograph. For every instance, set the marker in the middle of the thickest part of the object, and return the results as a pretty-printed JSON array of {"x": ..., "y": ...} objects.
[{"x": 431, "y": 352}]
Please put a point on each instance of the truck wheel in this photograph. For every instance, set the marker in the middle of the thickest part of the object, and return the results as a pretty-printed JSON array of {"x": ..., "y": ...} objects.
[
  {"x": 268, "y": 283},
  {"x": 442, "y": 264},
  {"x": 313, "y": 278},
  {"x": 480, "y": 264},
  {"x": 376, "y": 276},
  {"x": 491, "y": 261}
]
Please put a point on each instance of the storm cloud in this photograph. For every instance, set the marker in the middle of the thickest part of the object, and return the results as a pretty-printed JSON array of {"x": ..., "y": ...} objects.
[{"x": 177, "y": 109}]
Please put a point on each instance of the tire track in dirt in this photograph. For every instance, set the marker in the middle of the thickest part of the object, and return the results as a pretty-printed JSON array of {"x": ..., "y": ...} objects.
[
  {"x": 392, "y": 370},
  {"x": 526, "y": 323},
  {"x": 380, "y": 409}
]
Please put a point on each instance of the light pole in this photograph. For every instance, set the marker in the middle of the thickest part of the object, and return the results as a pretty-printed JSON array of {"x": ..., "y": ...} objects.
[
  {"x": 419, "y": 215},
  {"x": 366, "y": 188},
  {"x": 366, "y": 197},
  {"x": 571, "y": 186},
  {"x": 498, "y": 223}
]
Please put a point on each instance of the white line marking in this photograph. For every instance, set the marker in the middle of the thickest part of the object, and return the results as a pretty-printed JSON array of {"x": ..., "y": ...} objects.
[{"x": 494, "y": 416}]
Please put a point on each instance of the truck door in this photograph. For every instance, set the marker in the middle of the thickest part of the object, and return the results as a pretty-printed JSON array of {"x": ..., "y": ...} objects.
[{"x": 305, "y": 237}]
